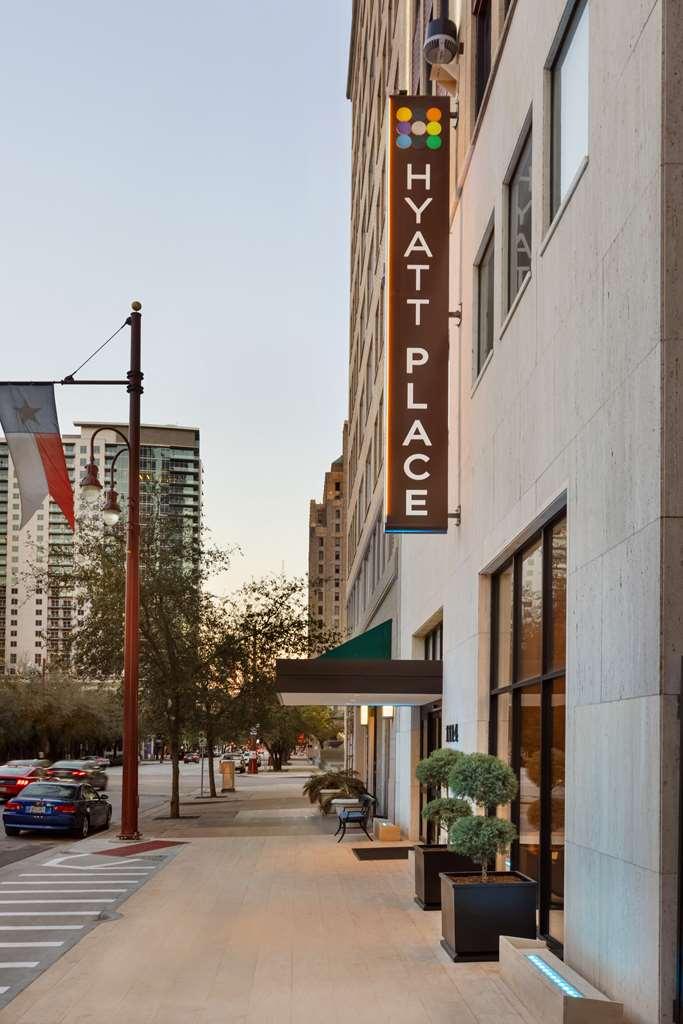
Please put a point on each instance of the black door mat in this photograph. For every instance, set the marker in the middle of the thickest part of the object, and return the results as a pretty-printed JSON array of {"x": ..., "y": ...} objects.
[{"x": 382, "y": 852}]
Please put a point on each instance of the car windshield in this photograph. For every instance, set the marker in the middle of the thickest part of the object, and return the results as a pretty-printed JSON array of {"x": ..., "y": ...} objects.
[
  {"x": 24, "y": 764},
  {"x": 12, "y": 770},
  {"x": 50, "y": 789},
  {"x": 71, "y": 764}
]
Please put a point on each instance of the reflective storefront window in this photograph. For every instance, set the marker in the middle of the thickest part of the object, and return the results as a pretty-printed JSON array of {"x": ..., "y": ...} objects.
[{"x": 528, "y": 630}]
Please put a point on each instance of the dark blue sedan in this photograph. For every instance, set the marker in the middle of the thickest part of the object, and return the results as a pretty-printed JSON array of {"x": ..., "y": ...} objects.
[{"x": 57, "y": 807}]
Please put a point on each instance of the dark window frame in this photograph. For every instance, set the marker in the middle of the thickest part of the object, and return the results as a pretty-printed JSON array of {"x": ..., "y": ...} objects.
[
  {"x": 515, "y": 688},
  {"x": 487, "y": 249},
  {"x": 569, "y": 23},
  {"x": 526, "y": 144},
  {"x": 483, "y": 55}
]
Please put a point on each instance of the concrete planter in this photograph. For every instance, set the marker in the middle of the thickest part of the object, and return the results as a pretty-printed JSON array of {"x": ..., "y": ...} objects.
[
  {"x": 431, "y": 859},
  {"x": 475, "y": 914}
]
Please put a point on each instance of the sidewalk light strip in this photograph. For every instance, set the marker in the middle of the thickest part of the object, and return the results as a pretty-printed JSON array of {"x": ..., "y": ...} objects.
[{"x": 552, "y": 975}]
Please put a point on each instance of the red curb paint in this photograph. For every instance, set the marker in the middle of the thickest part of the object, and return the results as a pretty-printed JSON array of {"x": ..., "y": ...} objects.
[{"x": 128, "y": 851}]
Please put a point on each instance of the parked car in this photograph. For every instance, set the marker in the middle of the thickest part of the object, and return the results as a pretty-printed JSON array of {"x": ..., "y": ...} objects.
[
  {"x": 80, "y": 771},
  {"x": 15, "y": 777},
  {"x": 57, "y": 807},
  {"x": 30, "y": 762},
  {"x": 191, "y": 758},
  {"x": 237, "y": 760}
]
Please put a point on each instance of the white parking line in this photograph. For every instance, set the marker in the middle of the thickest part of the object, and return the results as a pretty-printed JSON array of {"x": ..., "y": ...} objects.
[
  {"x": 29, "y": 945},
  {"x": 20, "y": 902},
  {"x": 19, "y": 963},
  {"x": 49, "y": 913},
  {"x": 40, "y": 927}
]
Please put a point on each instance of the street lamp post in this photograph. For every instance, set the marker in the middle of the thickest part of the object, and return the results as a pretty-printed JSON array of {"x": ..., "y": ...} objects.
[{"x": 111, "y": 511}]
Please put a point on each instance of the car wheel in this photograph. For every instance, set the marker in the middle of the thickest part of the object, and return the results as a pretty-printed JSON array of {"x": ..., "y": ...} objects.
[
  {"x": 10, "y": 831},
  {"x": 83, "y": 829}
]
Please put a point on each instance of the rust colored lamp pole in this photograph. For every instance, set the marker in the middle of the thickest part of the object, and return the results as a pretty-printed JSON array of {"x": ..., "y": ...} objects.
[
  {"x": 131, "y": 661},
  {"x": 111, "y": 513}
]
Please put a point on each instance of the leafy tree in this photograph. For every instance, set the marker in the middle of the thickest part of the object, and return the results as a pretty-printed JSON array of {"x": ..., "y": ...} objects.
[
  {"x": 176, "y": 615},
  {"x": 268, "y": 619}
]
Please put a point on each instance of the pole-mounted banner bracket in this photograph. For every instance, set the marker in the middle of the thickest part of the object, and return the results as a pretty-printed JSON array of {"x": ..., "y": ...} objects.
[{"x": 457, "y": 315}]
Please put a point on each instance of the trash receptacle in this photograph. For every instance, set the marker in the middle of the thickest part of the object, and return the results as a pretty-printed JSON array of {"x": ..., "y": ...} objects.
[{"x": 228, "y": 772}]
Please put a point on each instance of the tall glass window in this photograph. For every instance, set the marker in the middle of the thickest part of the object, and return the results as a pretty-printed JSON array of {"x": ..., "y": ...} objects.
[
  {"x": 570, "y": 105},
  {"x": 485, "y": 304},
  {"x": 482, "y": 28},
  {"x": 519, "y": 225},
  {"x": 528, "y": 634}
]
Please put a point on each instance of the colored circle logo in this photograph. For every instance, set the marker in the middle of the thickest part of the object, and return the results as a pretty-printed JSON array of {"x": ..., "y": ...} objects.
[{"x": 418, "y": 127}]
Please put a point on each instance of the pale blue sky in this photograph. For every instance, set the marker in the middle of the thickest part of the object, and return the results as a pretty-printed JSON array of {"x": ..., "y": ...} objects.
[{"x": 195, "y": 156}]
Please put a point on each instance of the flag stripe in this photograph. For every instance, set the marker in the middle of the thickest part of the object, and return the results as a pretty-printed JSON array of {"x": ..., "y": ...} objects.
[
  {"x": 54, "y": 464},
  {"x": 30, "y": 472}
]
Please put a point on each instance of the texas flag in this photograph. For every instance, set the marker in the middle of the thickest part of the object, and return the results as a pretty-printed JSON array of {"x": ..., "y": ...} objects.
[{"x": 28, "y": 417}]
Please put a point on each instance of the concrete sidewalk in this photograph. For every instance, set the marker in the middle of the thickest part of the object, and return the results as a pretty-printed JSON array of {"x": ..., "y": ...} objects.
[{"x": 262, "y": 917}]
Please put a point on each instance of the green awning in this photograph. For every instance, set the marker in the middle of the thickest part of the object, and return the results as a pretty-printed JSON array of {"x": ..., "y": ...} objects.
[{"x": 373, "y": 645}]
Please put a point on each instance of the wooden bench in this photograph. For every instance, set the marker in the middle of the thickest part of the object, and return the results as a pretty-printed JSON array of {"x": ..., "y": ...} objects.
[{"x": 549, "y": 989}]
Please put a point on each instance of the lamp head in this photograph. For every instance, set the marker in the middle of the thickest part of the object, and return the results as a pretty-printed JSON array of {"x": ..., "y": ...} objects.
[
  {"x": 441, "y": 41},
  {"x": 111, "y": 512},
  {"x": 90, "y": 482}
]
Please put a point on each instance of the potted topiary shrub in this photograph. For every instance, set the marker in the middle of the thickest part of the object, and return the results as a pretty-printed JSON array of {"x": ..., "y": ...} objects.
[
  {"x": 327, "y": 786},
  {"x": 433, "y": 858},
  {"x": 476, "y": 909}
]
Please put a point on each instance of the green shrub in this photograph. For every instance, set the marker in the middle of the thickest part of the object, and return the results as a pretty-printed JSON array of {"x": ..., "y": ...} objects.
[
  {"x": 484, "y": 779},
  {"x": 346, "y": 781},
  {"x": 488, "y": 782},
  {"x": 481, "y": 838},
  {"x": 433, "y": 771},
  {"x": 444, "y": 811}
]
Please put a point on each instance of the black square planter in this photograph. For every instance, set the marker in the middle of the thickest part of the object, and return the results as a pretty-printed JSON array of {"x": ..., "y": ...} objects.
[
  {"x": 475, "y": 915},
  {"x": 430, "y": 861}
]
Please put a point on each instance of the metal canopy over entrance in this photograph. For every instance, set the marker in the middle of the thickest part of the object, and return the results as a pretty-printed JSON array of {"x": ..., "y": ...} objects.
[{"x": 352, "y": 681}]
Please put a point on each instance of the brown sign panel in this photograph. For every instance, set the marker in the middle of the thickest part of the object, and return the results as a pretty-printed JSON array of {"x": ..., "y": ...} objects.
[{"x": 416, "y": 495}]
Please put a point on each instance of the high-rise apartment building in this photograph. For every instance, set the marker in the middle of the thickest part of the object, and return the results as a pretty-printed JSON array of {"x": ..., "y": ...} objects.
[
  {"x": 37, "y": 619},
  {"x": 327, "y": 552}
]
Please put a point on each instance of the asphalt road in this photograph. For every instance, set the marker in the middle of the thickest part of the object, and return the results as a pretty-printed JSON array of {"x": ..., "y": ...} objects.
[{"x": 154, "y": 791}]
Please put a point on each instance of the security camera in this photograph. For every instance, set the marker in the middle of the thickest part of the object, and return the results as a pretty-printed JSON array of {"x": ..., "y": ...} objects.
[{"x": 441, "y": 39}]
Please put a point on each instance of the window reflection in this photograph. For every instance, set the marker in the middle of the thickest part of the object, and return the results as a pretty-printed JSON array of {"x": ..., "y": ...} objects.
[
  {"x": 529, "y": 779},
  {"x": 504, "y": 627},
  {"x": 531, "y": 633}
]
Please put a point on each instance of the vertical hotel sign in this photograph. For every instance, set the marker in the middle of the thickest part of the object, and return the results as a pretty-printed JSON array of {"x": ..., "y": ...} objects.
[{"x": 416, "y": 497}]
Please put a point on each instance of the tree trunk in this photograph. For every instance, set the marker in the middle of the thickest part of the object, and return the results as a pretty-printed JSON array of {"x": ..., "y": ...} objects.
[
  {"x": 175, "y": 776},
  {"x": 209, "y": 757}
]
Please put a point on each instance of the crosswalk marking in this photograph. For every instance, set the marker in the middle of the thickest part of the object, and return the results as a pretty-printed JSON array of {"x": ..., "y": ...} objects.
[
  {"x": 49, "y": 913},
  {"x": 3, "y": 989},
  {"x": 55, "y": 901},
  {"x": 52, "y": 892},
  {"x": 94, "y": 882},
  {"x": 18, "y": 963},
  {"x": 29, "y": 945},
  {"x": 75, "y": 881},
  {"x": 40, "y": 927}
]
